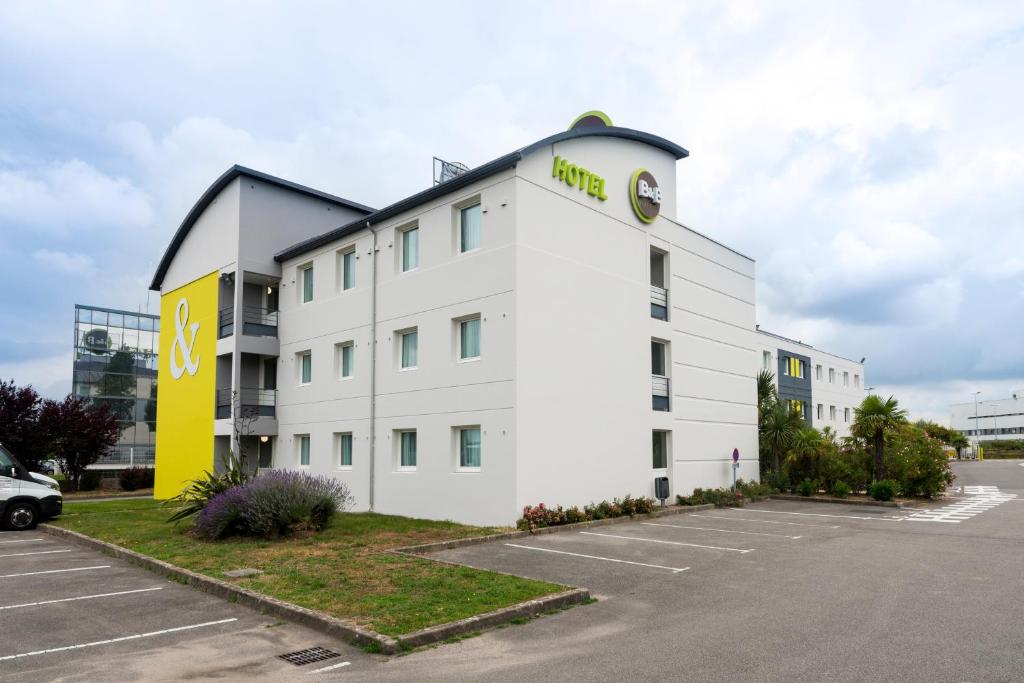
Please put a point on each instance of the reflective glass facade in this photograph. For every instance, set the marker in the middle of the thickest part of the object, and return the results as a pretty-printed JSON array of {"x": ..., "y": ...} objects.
[{"x": 115, "y": 363}]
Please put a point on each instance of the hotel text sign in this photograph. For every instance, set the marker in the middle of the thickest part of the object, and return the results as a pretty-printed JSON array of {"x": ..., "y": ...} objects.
[{"x": 579, "y": 177}]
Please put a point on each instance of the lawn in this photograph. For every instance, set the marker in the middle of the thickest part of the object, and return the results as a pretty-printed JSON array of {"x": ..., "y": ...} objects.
[{"x": 341, "y": 571}]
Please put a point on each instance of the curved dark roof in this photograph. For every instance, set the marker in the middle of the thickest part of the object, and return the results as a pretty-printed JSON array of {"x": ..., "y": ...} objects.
[
  {"x": 211, "y": 193},
  {"x": 490, "y": 168}
]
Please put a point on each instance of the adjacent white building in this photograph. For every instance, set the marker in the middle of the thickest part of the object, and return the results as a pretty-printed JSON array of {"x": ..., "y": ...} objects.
[
  {"x": 990, "y": 420},
  {"x": 538, "y": 329},
  {"x": 821, "y": 387}
]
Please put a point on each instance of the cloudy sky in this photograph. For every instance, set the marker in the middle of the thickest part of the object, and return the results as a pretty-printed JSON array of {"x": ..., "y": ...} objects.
[{"x": 869, "y": 156}]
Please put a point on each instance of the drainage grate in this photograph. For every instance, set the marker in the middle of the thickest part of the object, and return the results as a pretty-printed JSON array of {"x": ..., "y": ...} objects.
[{"x": 308, "y": 656}]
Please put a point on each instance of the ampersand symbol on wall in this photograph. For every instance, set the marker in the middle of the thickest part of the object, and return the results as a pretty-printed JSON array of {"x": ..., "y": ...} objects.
[{"x": 180, "y": 346}]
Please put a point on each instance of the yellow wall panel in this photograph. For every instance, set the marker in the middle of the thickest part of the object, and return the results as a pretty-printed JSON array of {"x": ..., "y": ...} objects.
[{"x": 187, "y": 378}]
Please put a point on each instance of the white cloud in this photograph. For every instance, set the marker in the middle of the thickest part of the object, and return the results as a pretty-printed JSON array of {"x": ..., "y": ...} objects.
[{"x": 80, "y": 264}]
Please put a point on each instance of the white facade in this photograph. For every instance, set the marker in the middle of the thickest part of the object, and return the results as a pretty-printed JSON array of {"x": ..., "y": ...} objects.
[
  {"x": 516, "y": 360},
  {"x": 836, "y": 385},
  {"x": 996, "y": 419}
]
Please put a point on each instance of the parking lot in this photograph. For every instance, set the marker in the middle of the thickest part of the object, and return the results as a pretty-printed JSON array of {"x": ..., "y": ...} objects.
[{"x": 72, "y": 614}]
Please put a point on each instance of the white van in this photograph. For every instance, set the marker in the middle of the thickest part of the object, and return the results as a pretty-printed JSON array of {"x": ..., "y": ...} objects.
[{"x": 26, "y": 498}]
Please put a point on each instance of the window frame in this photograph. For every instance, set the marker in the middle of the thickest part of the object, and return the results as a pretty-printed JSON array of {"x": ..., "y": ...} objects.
[
  {"x": 460, "y": 336},
  {"x": 459, "y": 431},
  {"x": 343, "y": 268},
  {"x": 460, "y": 210},
  {"x": 399, "y": 448},
  {"x": 832, "y": 413},
  {"x": 340, "y": 349},
  {"x": 666, "y": 436},
  {"x": 303, "y": 356},
  {"x": 306, "y": 276},
  {"x": 301, "y": 439},
  {"x": 403, "y": 246},
  {"x": 401, "y": 337},
  {"x": 340, "y": 439}
]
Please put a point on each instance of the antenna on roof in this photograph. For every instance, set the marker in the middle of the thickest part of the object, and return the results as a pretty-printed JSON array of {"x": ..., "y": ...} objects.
[{"x": 446, "y": 170}]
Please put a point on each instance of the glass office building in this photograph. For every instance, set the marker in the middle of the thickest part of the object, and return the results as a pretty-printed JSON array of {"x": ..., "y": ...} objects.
[{"x": 115, "y": 363}]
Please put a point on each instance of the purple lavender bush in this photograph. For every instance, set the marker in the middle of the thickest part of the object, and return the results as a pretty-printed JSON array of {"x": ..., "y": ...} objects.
[{"x": 273, "y": 504}]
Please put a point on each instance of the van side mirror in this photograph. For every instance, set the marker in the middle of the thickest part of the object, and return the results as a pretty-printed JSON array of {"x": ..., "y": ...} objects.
[{"x": 14, "y": 472}]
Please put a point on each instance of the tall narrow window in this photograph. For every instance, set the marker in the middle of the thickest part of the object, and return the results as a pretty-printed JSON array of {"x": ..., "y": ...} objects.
[
  {"x": 345, "y": 361},
  {"x": 659, "y": 450},
  {"x": 657, "y": 359},
  {"x": 817, "y": 372},
  {"x": 856, "y": 381},
  {"x": 831, "y": 375},
  {"x": 846, "y": 379},
  {"x": 348, "y": 269},
  {"x": 469, "y": 448},
  {"x": 796, "y": 367},
  {"x": 469, "y": 339},
  {"x": 766, "y": 358},
  {"x": 409, "y": 344},
  {"x": 469, "y": 228},
  {"x": 305, "y": 367},
  {"x": 304, "y": 450},
  {"x": 832, "y": 413},
  {"x": 846, "y": 414},
  {"x": 344, "y": 450},
  {"x": 410, "y": 249},
  {"x": 307, "y": 284},
  {"x": 407, "y": 454},
  {"x": 821, "y": 411}
]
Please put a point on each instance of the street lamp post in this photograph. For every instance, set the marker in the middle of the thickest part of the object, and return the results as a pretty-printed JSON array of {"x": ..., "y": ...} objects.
[{"x": 977, "y": 432}]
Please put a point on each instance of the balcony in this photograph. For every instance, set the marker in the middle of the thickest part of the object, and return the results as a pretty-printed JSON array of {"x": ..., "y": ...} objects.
[
  {"x": 259, "y": 321},
  {"x": 660, "y": 392},
  {"x": 659, "y": 303},
  {"x": 225, "y": 322},
  {"x": 250, "y": 403}
]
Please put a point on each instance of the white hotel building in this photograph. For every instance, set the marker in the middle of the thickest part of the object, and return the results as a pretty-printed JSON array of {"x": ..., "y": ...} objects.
[{"x": 538, "y": 329}]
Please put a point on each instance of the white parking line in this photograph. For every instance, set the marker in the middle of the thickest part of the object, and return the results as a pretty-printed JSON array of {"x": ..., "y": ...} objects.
[
  {"x": 55, "y": 571},
  {"x": 22, "y": 540},
  {"x": 116, "y": 640},
  {"x": 37, "y": 552},
  {"x": 819, "y": 514},
  {"x": 81, "y": 597},
  {"x": 724, "y": 531},
  {"x": 328, "y": 668},
  {"x": 771, "y": 521},
  {"x": 654, "y": 540},
  {"x": 674, "y": 570}
]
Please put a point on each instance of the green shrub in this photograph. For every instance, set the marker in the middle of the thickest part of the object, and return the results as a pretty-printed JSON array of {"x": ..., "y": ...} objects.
[
  {"x": 754, "y": 490},
  {"x": 807, "y": 488},
  {"x": 200, "y": 491},
  {"x": 840, "y": 489},
  {"x": 884, "y": 489},
  {"x": 717, "y": 497},
  {"x": 540, "y": 516},
  {"x": 135, "y": 478},
  {"x": 90, "y": 480}
]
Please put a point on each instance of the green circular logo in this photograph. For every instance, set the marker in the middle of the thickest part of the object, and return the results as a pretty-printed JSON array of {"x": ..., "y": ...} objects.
[{"x": 645, "y": 195}]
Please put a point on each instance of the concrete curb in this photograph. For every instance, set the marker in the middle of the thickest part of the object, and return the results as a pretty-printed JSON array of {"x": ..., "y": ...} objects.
[
  {"x": 843, "y": 501},
  {"x": 92, "y": 498},
  {"x": 477, "y": 540},
  {"x": 318, "y": 621}
]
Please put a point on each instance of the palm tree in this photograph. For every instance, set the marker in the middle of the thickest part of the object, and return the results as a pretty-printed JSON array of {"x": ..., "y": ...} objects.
[
  {"x": 777, "y": 430},
  {"x": 766, "y": 394},
  {"x": 872, "y": 419},
  {"x": 806, "y": 446}
]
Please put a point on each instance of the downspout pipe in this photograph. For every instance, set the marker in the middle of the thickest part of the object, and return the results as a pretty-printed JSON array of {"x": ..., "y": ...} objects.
[{"x": 373, "y": 364}]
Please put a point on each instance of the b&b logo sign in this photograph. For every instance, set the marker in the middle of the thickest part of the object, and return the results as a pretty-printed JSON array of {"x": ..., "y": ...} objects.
[{"x": 645, "y": 195}]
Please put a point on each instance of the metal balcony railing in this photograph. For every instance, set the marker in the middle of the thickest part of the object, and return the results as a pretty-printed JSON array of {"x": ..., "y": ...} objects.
[
  {"x": 249, "y": 402},
  {"x": 128, "y": 456},
  {"x": 660, "y": 387},
  {"x": 259, "y": 321},
  {"x": 659, "y": 303},
  {"x": 226, "y": 322}
]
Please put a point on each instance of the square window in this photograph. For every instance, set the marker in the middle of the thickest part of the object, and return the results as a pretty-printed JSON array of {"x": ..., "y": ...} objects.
[
  {"x": 469, "y": 448},
  {"x": 303, "y": 446},
  {"x": 410, "y": 249},
  {"x": 306, "y": 275},
  {"x": 408, "y": 342},
  {"x": 469, "y": 228},
  {"x": 659, "y": 450},
  {"x": 305, "y": 367},
  {"x": 348, "y": 269},
  {"x": 407, "y": 450},
  {"x": 344, "y": 449},
  {"x": 469, "y": 339},
  {"x": 345, "y": 359}
]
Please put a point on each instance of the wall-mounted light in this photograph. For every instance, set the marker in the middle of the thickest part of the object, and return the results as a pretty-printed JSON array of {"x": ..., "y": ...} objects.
[
  {"x": 270, "y": 290},
  {"x": 264, "y": 439}
]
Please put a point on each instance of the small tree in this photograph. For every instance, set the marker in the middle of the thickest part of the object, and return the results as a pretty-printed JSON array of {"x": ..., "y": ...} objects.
[
  {"x": 20, "y": 430},
  {"x": 872, "y": 420},
  {"x": 82, "y": 432},
  {"x": 777, "y": 431}
]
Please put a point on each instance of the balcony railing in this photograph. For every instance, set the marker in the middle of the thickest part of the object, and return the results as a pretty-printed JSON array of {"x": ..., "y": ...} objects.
[
  {"x": 659, "y": 303},
  {"x": 249, "y": 402},
  {"x": 660, "y": 387},
  {"x": 128, "y": 456},
  {"x": 259, "y": 321},
  {"x": 226, "y": 322}
]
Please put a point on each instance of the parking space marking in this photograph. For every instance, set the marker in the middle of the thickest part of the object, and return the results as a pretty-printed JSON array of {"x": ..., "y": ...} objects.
[
  {"x": 979, "y": 499},
  {"x": 55, "y": 571},
  {"x": 37, "y": 552},
  {"x": 135, "y": 636},
  {"x": 820, "y": 514},
  {"x": 22, "y": 540},
  {"x": 81, "y": 597},
  {"x": 724, "y": 531},
  {"x": 674, "y": 570},
  {"x": 771, "y": 521},
  {"x": 654, "y": 540},
  {"x": 328, "y": 668}
]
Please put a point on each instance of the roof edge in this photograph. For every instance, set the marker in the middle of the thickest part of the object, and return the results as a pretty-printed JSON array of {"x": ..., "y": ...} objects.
[{"x": 215, "y": 189}]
